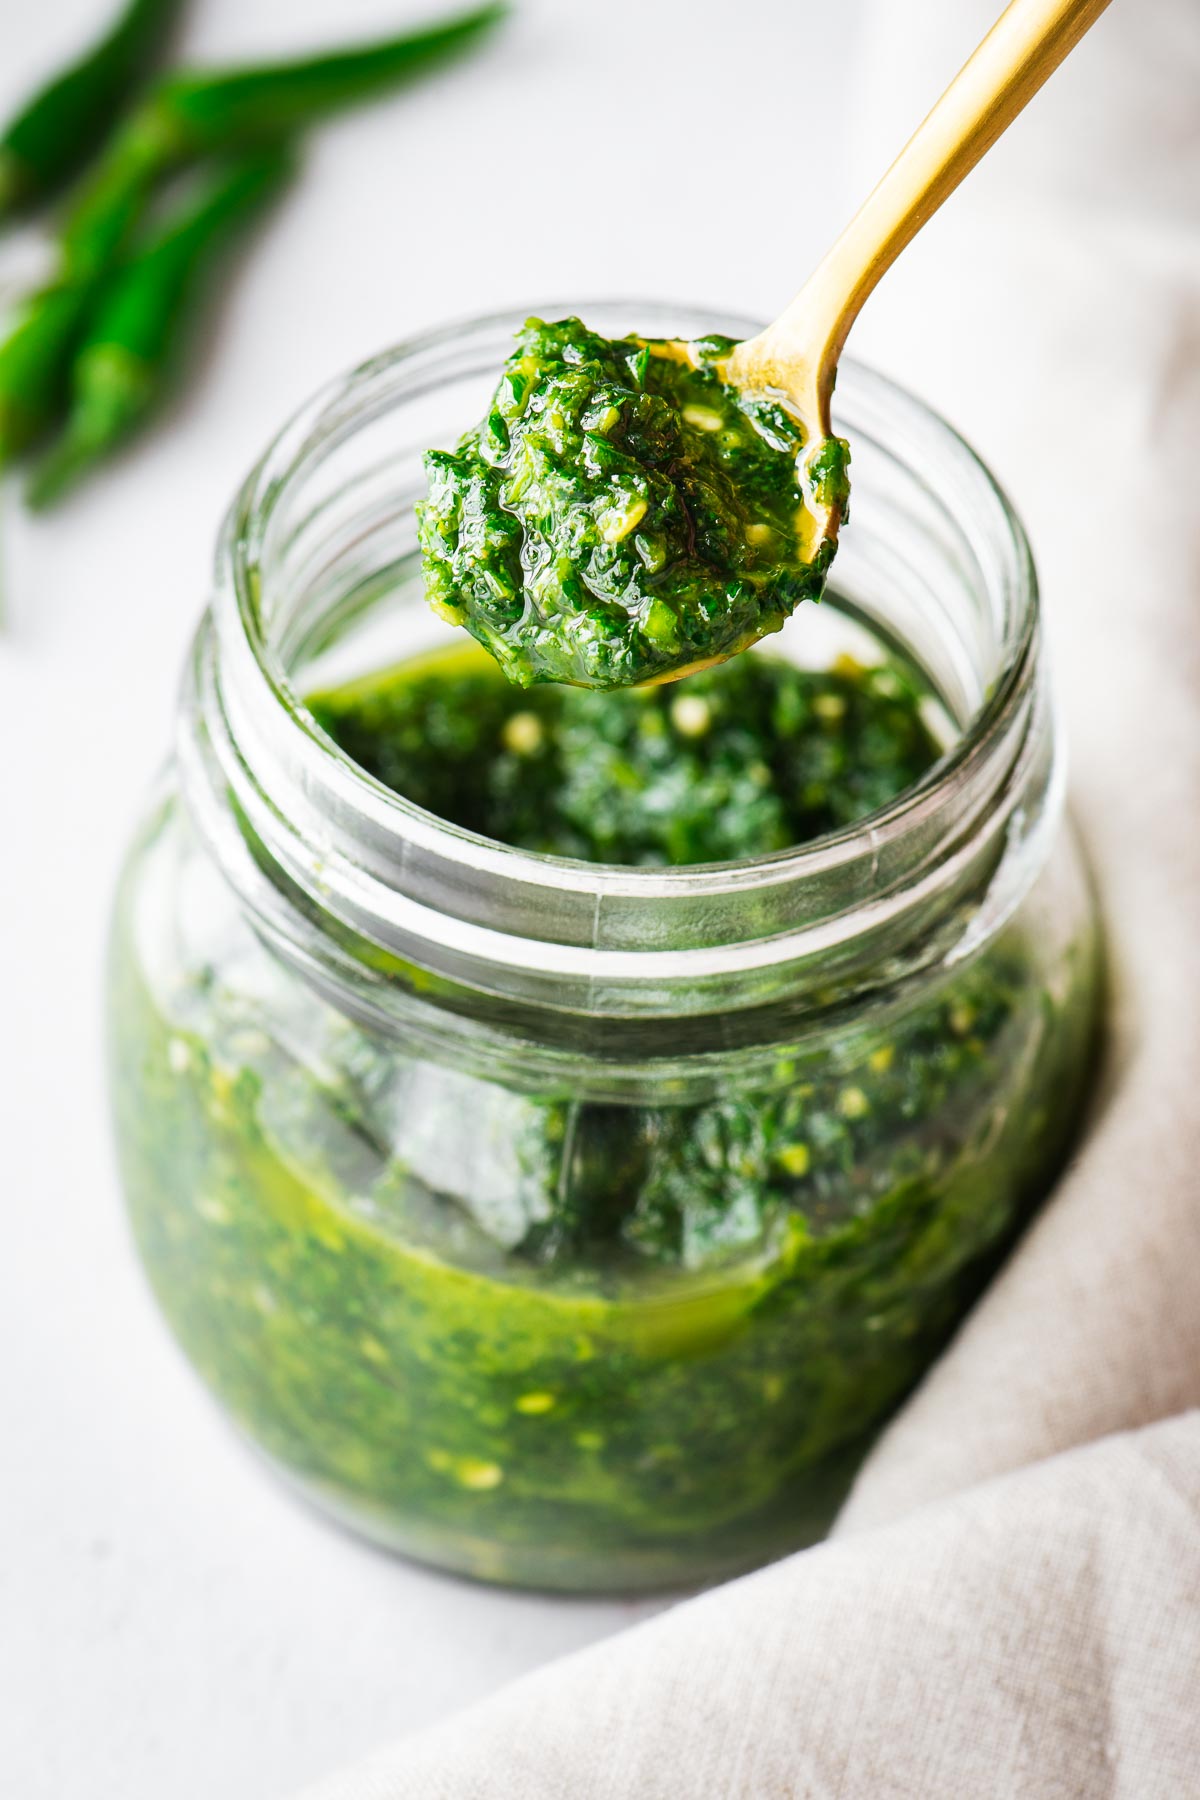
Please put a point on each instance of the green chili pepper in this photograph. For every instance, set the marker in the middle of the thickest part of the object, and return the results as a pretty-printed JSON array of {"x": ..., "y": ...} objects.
[
  {"x": 63, "y": 125},
  {"x": 36, "y": 352},
  {"x": 198, "y": 113},
  {"x": 35, "y": 361},
  {"x": 103, "y": 217},
  {"x": 119, "y": 367},
  {"x": 183, "y": 120}
]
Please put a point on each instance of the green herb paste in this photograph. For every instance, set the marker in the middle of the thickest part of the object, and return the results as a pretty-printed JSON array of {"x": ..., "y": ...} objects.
[
  {"x": 622, "y": 514},
  {"x": 535, "y": 1335},
  {"x": 739, "y": 761}
]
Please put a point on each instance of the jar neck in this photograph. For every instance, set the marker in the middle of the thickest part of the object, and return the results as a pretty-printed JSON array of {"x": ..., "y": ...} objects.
[{"x": 382, "y": 901}]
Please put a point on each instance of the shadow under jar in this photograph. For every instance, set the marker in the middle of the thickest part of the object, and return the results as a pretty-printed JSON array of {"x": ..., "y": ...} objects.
[{"x": 362, "y": 1059}]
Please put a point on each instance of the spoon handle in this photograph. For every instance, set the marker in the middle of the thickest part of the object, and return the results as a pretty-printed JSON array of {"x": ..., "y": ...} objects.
[{"x": 799, "y": 352}]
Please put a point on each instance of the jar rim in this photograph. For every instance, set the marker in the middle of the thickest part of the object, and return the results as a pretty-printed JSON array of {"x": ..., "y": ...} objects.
[{"x": 610, "y": 918}]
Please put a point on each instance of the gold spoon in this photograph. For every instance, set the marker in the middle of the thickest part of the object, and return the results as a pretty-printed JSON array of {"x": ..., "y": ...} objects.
[{"x": 796, "y": 358}]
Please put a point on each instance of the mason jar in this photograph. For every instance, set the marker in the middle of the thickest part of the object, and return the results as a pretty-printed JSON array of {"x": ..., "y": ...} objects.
[{"x": 360, "y": 1056}]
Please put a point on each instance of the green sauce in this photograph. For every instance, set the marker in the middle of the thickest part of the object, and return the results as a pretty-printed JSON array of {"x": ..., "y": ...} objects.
[
  {"x": 525, "y": 1332},
  {"x": 622, "y": 514},
  {"x": 739, "y": 761}
]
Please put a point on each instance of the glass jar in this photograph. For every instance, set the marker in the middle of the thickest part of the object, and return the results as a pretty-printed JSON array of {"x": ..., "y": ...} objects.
[{"x": 368, "y": 1067}]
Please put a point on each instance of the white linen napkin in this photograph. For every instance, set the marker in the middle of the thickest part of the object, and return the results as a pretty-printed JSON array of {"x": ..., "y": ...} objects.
[{"x": 1011, "y": 1606}]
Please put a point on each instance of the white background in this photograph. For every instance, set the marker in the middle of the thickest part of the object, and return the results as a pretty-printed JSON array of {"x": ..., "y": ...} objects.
[{"x": 172, "y": 1627}]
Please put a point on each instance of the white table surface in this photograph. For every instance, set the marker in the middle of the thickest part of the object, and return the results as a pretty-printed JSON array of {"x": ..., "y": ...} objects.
[{"x": 171, "y": 1624}]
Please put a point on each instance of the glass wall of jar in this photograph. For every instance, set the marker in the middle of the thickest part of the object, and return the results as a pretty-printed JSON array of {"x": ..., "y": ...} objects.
[{"x": 565, "y": 1224}]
